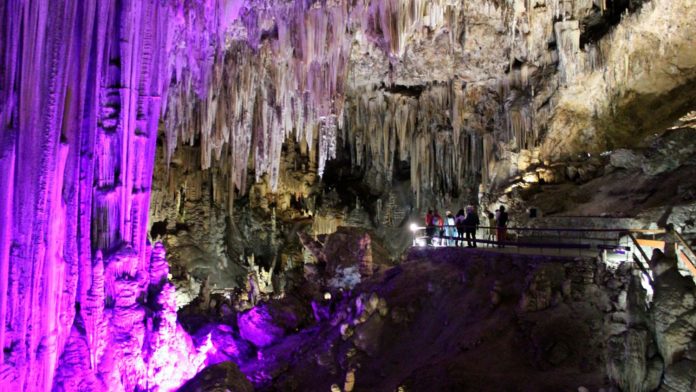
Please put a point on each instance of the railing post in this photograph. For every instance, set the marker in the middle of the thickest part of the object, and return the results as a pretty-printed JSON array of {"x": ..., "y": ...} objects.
[
  {"x": 517, "y": 241},
  {"x": 680, "y": 241},
  {"x": 640, "y": 249}
]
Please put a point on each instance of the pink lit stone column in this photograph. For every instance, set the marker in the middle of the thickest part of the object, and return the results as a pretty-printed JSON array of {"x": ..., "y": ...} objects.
[
  {"x": 79, "y": 89},
  {"x": 81, "y": 93}
]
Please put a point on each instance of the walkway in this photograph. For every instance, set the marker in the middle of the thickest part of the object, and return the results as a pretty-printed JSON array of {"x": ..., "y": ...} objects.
[{"x": 613, "y": 245}]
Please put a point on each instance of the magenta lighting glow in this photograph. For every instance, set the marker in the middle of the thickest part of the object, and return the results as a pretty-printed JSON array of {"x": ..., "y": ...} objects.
[
  {"x": 82, "y": 88},
  {"x": 85, "y": 87}
]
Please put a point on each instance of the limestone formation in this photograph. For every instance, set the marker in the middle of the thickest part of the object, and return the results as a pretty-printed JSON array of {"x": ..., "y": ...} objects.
[{"x": 226, "y": 127}]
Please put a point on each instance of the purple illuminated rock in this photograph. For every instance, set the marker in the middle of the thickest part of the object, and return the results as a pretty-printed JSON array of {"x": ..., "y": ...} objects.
[
  {"x": 85, "y": 85},
  {"x": 258, "y": 326},
  {"x": 81, "y": 94},
  {"x": 266, "y": 323}
]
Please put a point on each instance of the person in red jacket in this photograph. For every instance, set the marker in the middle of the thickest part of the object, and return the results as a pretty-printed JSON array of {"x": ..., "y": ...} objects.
[{"x": 429, "y": 228}]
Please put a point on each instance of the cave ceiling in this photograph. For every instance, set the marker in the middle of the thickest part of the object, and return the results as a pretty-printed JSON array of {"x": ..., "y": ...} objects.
[
  {"x": 101, "y": 102},
  {"x": 414, "y": 80}
]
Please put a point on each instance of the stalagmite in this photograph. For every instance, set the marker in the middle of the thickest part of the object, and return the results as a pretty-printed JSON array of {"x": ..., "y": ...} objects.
[
  {"x": 444, "y": 94},
  {"x": 81, "y": 93}
]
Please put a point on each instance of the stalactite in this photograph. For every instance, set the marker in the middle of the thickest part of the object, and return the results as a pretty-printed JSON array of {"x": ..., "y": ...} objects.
[
  {"x": 594, "y": 60},
  {"x": 568, "y": 41},
  {"x": 519, "y": 121},
  {"x": 284, "y": 74},
  {"x": 81, "y": 88},
  {"x": 266, "y": 91},
  {"x": 381, "y": 127},
  {"x": 84, "y": 84}
]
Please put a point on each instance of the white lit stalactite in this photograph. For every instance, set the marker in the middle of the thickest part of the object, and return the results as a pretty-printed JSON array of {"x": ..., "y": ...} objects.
[
  {"x": 287, "y": 84},
  {"x": 422, "y": 129},
  {"x": 328, "y": 130},
  {"x": 568, "y": 41},
  {"x": 269, "y": 88}
]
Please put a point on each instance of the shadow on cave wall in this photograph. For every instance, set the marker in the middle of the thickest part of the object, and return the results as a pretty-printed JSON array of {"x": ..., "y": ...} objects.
[{"x": 636, "y": 116}]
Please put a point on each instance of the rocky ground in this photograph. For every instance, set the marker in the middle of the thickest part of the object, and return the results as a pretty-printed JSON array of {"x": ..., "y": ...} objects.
[
  {"x": 225, "y": 128},
  {"x": 463, "y": 320}
]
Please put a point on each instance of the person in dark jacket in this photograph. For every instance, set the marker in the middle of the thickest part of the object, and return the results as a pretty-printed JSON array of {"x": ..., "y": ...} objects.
[
  {"x": 501, "y": 226},
  {"x": 471, "y": 223},
  {"x": 490, "y": 231},
  {"x": 459, "y": 222},
  {"x": 439, "y": 224}
]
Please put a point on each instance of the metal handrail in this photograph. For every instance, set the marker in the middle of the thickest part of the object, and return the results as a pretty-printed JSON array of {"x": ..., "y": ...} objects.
[
  {"x": 580, "y": 244},
  {"x": 537, "y": 239},
  {"x": 642, "y": 268},
  {"x": 555, "y": 229},
  {"x": 640, "y": 248},
  {"x": 682, "y": 241},
  {"x": 643, "y": 254}
]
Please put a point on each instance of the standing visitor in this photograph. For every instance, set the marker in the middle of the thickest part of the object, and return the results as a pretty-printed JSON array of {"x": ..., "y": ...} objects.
[
  {"x": 459, "y": 223},
  {"x": 429, "y": 228},
  {"x": 491, "y": 227},
  {"x": 451, "y": 230},
  {"x": 501, "y": 226},
  {"x": 438, "y": 223},
  {"x": 471, "y": 223}
]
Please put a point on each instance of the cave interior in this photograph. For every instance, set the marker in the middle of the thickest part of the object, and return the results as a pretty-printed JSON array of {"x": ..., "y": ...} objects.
[{"x": 260, "y": 195}]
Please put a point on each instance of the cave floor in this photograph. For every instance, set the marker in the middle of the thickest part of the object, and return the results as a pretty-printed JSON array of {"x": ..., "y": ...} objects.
[{"x": 443, "y": 331}]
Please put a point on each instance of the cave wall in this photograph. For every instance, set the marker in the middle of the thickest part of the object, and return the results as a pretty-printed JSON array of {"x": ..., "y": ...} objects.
[
  {"x": 407, "y": 104},
  {"x": 458, "y": 92},
  {"x": 636, "y": 81},
  {"x": 467, "y": 89},
  {"x": 82, "y": 85}
]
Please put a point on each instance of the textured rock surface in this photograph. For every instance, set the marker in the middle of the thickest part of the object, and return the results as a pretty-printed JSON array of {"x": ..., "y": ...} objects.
[
  {"x": 641, "y": 187},
  {"x": 438, "y": 96},
  {"x": 420, "y": 103},
  {"x": 439, "y": 72},
  {"x": 674, "y": 318},
  {"x": 82, "y": 87},
  {"x": 268, "y": 322},
  {"x": 223, "y": 377},
  {"x": 456, "y": 318},
  {"x": 429, "y": 324}
]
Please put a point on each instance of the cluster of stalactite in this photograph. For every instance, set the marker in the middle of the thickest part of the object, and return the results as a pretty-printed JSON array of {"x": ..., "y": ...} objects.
[
  {"x": 84, "y": 84},
  {"x": 448, "y": 133},
  {"x": 283, "y": 75},
  {"x": 285, "y": 70},
  {"x": 81, "y": 91},
  {"x": 273, "y": 82}
]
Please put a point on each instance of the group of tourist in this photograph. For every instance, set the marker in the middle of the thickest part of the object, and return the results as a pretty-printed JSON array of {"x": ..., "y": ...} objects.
[{"x": 453, "y": 230}]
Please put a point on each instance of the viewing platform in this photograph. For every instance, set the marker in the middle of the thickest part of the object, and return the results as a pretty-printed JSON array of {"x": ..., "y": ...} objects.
[{"x": 613, "y": 245}]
